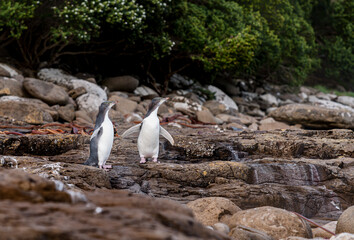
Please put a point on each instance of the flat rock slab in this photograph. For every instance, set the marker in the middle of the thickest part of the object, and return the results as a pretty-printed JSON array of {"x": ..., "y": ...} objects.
[
  {"x": 105, "y": 215},
  {"x": 40, "y": 144},
  {"x": 310, "y": 172},
  {"x": 314, "y": 116}
]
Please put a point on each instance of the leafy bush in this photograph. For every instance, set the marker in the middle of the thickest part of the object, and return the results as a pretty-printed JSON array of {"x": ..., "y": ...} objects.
[
  {"x": 13, "y": 15},
  {"x": 234, "y": 38},
  {"x": 338, "y": 41},
  {"x": 287, "y": 20}
]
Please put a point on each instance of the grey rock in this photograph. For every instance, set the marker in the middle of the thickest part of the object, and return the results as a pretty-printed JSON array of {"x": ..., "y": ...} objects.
[
  {"x": 67, "y": 113},
  {"x": 123, "y": 105},
  {"x": 185, "y": 105},
  {"x": 205, "y": 116},
  {"x": 323, "y": 96},
  {"x": 216, "y": 107},
  {"x": 269, "y": 99},
  {"x": 32, "y": 111},
  {"x": 329, "y": 104},
  {"x": 90, "y": 88},
  {"x": 55, "y": 76},
  {"x": 314, "y": 116},
  {"x": 11, "y": 86},
  {"x": 145, "y": 91},
  {"x": 121, "y": 83},
  {"x": 77, "y": 92},
  {"x": 179, "y": 82},
  {"x": 346, "y": 100},
  {"x": 221, "y": 97},
  {"x": 89, "y": 102},
  {"x": 46, "y": 91}
]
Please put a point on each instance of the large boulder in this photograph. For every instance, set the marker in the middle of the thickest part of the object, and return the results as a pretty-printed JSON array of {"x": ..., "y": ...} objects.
[
  {"x": 216, "y": 107},
  {"x": 212, "y": 210},
  {"x": 346, "y": 221},
  {"x": 205, "y": 116},
  {"x": 31, "y": 111},
  {"x": 329, "y": 104},
  {"x": 222, "y": 97},
  {"x": 269, "y": 99},
  {"x": 121, "y": 83},
  {"x": 275, "y": 222},
  {"x": 92, "y": 99},
  {"x": 90, "y": 88},
  {"x": 123, "y": 105},
  {"x": 145, "y": 92},
  {"x": 55, "y": 76},
  {"x": 346, "y": 100},
  {"x": 46, "y": 91},
  {"x": 66, "y": 113},
  {"x": 89, "y": 102},
  {"x": 314, "y": 116},
  {"x": 11, "y": 86}
]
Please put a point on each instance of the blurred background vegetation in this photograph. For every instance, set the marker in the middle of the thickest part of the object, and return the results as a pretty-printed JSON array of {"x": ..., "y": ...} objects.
[{"x": 281, "y": 41}]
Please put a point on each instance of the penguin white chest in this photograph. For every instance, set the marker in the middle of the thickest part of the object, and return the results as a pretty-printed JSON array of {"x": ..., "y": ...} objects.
[
  {"x": 148, "y": 140},
  {"x": 106, "y": 141}
]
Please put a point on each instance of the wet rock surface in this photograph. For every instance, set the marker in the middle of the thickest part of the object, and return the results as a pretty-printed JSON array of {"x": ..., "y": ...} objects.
[
  {"x": 106, "y": 215},
  {"x": 248, "y": 148},
  {"x": 310, "y": 172}
]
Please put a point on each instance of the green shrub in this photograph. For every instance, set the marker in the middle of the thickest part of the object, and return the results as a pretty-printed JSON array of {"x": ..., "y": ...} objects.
[
  {"x": 337, "y": 47},
  {"x": 13, "y": 16}
]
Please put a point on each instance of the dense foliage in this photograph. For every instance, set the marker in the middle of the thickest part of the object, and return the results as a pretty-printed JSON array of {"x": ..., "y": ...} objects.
[{"x": 282, "y": 40}]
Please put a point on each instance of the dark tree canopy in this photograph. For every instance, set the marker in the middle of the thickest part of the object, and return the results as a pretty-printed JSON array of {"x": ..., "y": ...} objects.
[{"x": 279, "y": 40}]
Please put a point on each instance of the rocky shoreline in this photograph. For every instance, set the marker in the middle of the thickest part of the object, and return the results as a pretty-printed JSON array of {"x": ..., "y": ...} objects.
[{"x": 242, "y": 162}]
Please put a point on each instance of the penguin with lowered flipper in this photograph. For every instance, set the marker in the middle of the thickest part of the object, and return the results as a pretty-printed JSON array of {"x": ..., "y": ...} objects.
[
  {"x": 102, "y": 138},
  {"x": 149, "y": 130}
]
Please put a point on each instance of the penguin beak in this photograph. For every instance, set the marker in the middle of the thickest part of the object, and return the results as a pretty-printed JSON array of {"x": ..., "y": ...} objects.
[
  {"x": 111, "y": 104},
  {"x": 163, "y": 100}
]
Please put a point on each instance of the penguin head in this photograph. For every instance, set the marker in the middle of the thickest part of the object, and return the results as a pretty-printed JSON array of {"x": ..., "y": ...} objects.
[
  {"x": 106, "y": 105},
  {"x": 155, "y": 104}
]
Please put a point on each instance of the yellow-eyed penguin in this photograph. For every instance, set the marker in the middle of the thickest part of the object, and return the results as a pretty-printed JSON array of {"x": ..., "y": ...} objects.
[
  {"x": 149, "y": 130},
  {"x": 102, "y": 138}
]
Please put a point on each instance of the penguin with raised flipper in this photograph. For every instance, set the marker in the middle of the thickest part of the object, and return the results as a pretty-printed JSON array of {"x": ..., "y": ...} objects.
[
  {"x": 149, "y": 130},
  {"x": 102, "y": 138}
]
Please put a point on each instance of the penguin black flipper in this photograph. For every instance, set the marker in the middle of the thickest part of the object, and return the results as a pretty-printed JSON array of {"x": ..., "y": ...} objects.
[
  {"x": 166, "y": 135},
  {"x": 132, "y": 130},
  {"x": 93, "y": 159}
]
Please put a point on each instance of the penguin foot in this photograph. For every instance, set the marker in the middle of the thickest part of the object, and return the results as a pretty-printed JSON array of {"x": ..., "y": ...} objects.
[
  {"x": 154, "y": 160},
  {"x": 142, "y": 160},
  {"x": 106, "y": 166}
]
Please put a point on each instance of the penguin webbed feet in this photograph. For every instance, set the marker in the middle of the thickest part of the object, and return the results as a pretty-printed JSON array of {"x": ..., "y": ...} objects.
[
  {"x": 142, "y": 160},
  {"x": 105, "y": 167}
]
